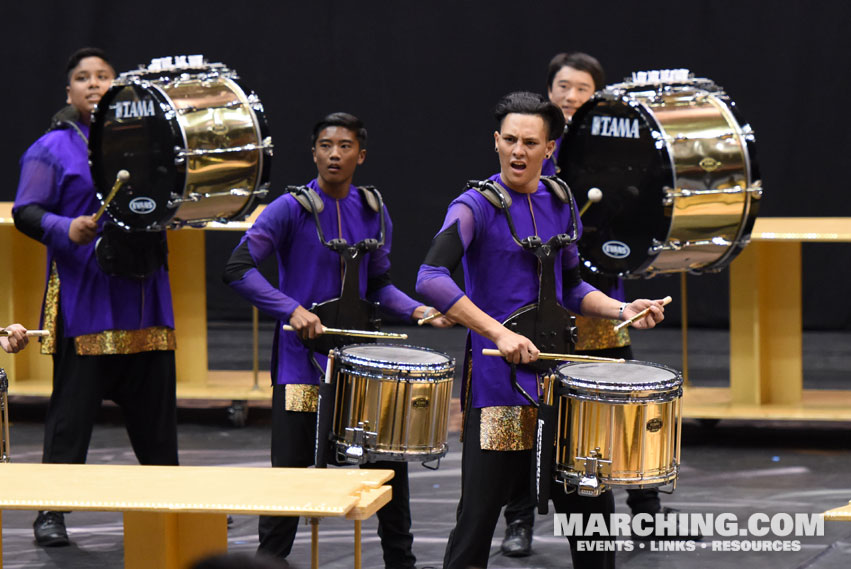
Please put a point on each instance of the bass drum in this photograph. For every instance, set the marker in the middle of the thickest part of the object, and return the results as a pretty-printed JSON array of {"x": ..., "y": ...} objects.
[
  {"x": 677, "y": 169},
  {"x": 195, "y": 142}
]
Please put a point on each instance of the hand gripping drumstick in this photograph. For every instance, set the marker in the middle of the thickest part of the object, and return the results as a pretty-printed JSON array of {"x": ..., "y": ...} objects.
[
  {"x": 429, "y": 318},
  {"x": 120, "y": 179},
  {"x": 356, "y": 333},
  {"x": 560, "y": 357},
  {"x": 594, "y": 195},
  {"x": 640, "y": 315},
  {"x": 39, "y": 333}
]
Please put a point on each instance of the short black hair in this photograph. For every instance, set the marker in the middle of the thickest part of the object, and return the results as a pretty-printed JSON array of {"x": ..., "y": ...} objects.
[
  {"x": 526, "y": 103},
  {"x": 579, "y": 61},
  {"x": 344, "y": 120},
  {"x": 82, "y": 54}
]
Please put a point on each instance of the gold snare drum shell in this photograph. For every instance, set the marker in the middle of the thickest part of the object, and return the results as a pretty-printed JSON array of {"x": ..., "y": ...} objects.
[
  {"x": 405, "y": 402},
  {"x": 635, "y": 424}
]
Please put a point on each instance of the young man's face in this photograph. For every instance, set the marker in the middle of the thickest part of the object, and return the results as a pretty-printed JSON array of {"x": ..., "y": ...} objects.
[
  {"x": 570, "y": 89},
  {"x": 337, "y": 154},
  {"x": 87, "y": 83},
  {"x": 522, "y": 145}
]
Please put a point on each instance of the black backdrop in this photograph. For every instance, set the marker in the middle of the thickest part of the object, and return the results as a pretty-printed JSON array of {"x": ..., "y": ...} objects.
[{"x": 425, "y": 76}]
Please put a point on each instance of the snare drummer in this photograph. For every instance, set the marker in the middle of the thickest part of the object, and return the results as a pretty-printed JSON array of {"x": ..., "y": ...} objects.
[
  {"x": 112, "y": 338},
  {"x": 572, "y": 79},
  {"x": 311, "y": 273},
  {"x": 501, "y": 277}
]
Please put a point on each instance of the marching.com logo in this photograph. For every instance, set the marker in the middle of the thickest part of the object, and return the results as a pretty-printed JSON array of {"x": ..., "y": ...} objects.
[{"x": 772, "y": 531}]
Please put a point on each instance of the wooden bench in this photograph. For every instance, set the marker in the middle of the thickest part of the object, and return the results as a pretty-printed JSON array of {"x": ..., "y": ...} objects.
[{"x": 175, "y": 515}]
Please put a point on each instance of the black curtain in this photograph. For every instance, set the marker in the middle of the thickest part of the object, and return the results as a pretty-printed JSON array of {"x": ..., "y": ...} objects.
[{"x": 425, "y": 76}]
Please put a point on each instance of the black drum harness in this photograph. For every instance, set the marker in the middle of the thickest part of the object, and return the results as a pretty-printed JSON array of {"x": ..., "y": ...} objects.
[
  {"x": 347, "y": 310},
  {"x": 547, "y": 323}
]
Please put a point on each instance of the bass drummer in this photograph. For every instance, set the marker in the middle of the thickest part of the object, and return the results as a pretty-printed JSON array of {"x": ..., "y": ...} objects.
[
  {"x": 501, "y": 276},
  {"x": 290, "y": 229},
  {"x": 112, "y": 337}
]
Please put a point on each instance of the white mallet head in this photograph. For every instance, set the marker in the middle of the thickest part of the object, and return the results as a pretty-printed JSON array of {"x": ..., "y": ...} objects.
[{"x": 595, "y": 195}]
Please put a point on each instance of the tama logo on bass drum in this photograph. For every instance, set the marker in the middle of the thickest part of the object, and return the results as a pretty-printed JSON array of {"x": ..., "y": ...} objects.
[
  {"x": 133, "y": 109},
  {"x": 142, "y": 205},
  {"x": 616, "y": 249},
  {"x": 614, "y": 127}
]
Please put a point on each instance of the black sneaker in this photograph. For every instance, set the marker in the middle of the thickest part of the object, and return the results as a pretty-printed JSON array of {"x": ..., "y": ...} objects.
[
  {"x": 518, "y": 540},
  {"x": 49, "y": 529}
]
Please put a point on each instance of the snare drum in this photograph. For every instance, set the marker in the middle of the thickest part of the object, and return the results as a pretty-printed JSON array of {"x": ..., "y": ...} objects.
[
  {"x": 677, "y": 168},
  {"x": 392, "y": 403},
  {"x": 618, "y": 425},
  {"x": 194, "y": 140}
]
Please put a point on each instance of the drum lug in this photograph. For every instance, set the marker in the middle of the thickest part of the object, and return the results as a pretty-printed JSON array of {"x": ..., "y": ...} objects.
[
  {"x": 589, "y": 484},
  {"x": 356, "y": 443}
]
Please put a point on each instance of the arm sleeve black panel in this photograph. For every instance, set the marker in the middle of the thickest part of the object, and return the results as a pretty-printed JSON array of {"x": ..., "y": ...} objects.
[
  {"x": 570, "y": 278},
  {"x": 376, "y": 283},
  {"x": 28, "y": 220},
  {"x": 446, "y": 250},
  {"x": 240, "y": 262}
]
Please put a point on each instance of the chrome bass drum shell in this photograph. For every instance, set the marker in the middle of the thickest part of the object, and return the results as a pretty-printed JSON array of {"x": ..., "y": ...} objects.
[
  {"x": 618, "y": 425},
  {"x": 392, "y": 401},
  {"x": 676, "y": 164},
  {"x": 195, "y": 142}
]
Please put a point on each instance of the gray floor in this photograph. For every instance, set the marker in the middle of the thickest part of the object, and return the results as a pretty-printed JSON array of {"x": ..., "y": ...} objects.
[{"x": 736, "y": 466}]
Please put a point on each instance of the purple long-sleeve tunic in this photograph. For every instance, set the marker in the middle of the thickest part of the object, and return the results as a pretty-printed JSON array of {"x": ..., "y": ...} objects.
[
  {"x": 309, "y": 272},
  {"x": 55, "y": 176},
  {"x": 500, "y": 277}
]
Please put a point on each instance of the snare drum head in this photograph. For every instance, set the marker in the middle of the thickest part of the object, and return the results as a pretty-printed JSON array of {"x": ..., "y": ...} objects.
[
  {"x": 397, "y": 358},
  {"x": 131, "y": 131},
  {"x": 610, "y": 145},
  {"x": 609, "y": 377}
]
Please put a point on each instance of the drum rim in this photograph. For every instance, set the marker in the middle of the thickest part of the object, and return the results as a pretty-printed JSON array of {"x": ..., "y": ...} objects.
[
  {"x": 344, "y": 362},
  {"x": 595, "y": 390}
]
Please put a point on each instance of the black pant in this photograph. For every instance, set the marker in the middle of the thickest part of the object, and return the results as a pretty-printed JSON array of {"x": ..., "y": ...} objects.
[
  {"x": 293, "y": 440},
  {"x": 488, "y": 479},
  {"x": 521, "y": 507},
  {"x": 142, "y": 384}
]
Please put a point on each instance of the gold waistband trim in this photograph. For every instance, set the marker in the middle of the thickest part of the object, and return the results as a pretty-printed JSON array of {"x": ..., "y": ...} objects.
[
  {"x": 508, "y": 427},
  {"x": 111, "y": 342},
  {"x": 51, "y": 309},
  {"x": 301, "y": 397}
]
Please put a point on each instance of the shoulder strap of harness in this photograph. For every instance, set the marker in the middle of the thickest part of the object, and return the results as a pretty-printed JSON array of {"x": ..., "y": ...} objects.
[
  {"x": 491, "y": 192},
  {"x": 558, "y": 188},
  {"x": 307, "y": 196},
  {"x": 372, "y": 197}
]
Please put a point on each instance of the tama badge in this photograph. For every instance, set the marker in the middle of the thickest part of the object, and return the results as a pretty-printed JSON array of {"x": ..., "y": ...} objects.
[
  {"x": 142, "y": 205},
  {"x": 616, "y": 249}
]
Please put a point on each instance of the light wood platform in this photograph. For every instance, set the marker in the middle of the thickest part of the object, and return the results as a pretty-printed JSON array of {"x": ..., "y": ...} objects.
[{"x": 175, "y": 515}]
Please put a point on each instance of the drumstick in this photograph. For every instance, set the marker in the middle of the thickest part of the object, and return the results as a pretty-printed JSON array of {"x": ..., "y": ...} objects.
[
  {"x": 594, "y": 195},
  {"x": 356, "y": 333},
  {"x": 429, "y": 318},
  {"x": 640, "y": 315},
  {"x": 120, "y": 178},
  {"x": 39, "y": 333},
  {"x": 560, "y": 357}
]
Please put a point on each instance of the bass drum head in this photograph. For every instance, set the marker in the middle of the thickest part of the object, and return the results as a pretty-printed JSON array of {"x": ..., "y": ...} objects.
[
  {"x": 611, "y": 144},
  {"x": 131, "y": 130}
]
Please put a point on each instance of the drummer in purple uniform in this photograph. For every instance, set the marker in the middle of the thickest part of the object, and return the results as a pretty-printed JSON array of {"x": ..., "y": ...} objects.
[
  {"x": 501, "y": 277},
  {"x": 308, "y": 273},
  {"x": 112, "y": 337}
]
